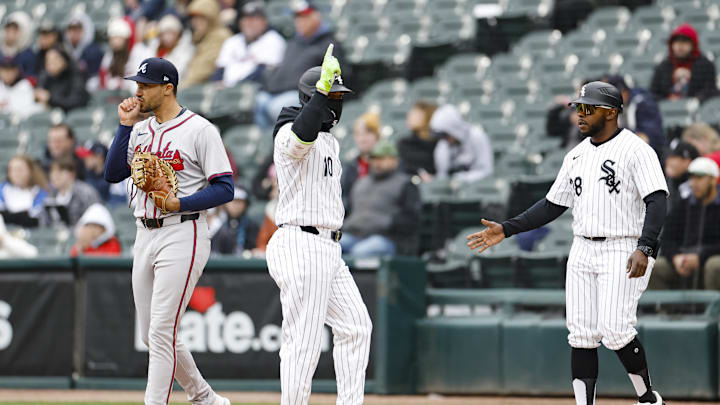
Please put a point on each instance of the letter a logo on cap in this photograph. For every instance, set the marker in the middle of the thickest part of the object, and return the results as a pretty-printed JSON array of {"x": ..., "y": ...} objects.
[
  {"x": 143, "y": 68},
  {"x": 165, "y": 78}
]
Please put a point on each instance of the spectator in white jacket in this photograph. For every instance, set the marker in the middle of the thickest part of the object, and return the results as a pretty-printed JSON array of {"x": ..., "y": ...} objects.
[
  {"x": 172, "y": 43},
  {"x": 121, "y": 59},
  {"x": 463, "y": 152},
  {"x": 244, "y": 55},
  {"x": 16, "y": 93},
  {"x": 12, "y": 247}
]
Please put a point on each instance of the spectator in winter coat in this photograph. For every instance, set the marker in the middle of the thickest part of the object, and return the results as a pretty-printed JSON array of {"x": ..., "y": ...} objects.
[
  {"x": 463, "y": 152},
  {"x": 245, "y": 55},
  {"x": 641, "y": 114},
  {"x": 121, "y": 59},
  {"x": 16, "y": 92},
  {"x": 61, "y": 85},
  {"x": 416, "y": 150},
  {"x": 208, "y": 36},
  {"x": 238, "y": 232},
  {"x": 366, "y": 133},
  {"x": 17, "y": 39},
  {"x": 48, "y": 36},
  {"x": 384, "y": 208},
  {"x": 676, "y": 172},
  {"x": 172, "y": 43},
  {"x": 95, "y": 234},
  {"x": 22, "y": 196},
  {"x": 80, "y": 45},
  {"x": 93, "y": 154},
  {"x": 305, "y": 50},
  {"x": 69, "y": 197},
  {"x": 685, "y": 72}
]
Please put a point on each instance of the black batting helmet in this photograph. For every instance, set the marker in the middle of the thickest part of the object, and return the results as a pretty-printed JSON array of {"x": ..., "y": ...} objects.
[
  {"x": 599, "y": 94},
  {"x": 311, "y": 76}
]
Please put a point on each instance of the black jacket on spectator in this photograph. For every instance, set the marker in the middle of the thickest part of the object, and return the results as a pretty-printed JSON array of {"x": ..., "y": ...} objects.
[
  {"x": 234, "y": 231},
  {"x": 689, "y": 221},
  {"x": 416, "y": 153},
  {"x": 67, "y": 90},
  {"x": 702, "y": 80},
  {"x": 300, "y": 55}
]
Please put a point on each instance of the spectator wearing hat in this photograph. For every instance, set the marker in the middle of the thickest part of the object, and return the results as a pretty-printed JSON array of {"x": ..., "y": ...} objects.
[
  {"x": 22, "y": 196},
  {"x": 305, "y": 50},
  {"x": 384, "y": 209},
  {"x": 366, "y": 133},
  {"x": 640, "y": 114},
  {"x": 16, "y": 92},
  {"x": 80, "y": 44},
  {"x": 678, "y": 159},
  {"x": 463, "y": 152},
  {"x": 245, "y": 55},
  {"x": 69, "y": 197},
  {"x": 173, "y": 43},
  {"x": 93, "y": 155},
  {"x": 95, "y": 234},
  {"x": 416, "y": 150},
  {"x": 121, "y": 59},
  {"x": 17, "y": 39},
  {"x": 238, "y": 232},
  {"x": 686, "y": 72},
  {"x": 691, "y": 241},
  {"x": 48, "y": 36},
  {"x": 61, "y": 85},
  {"x": 208, "y": 36}
]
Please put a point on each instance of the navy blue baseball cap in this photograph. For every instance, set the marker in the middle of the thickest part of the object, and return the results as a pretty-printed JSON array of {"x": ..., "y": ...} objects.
[{"x": 156, "y": 71}]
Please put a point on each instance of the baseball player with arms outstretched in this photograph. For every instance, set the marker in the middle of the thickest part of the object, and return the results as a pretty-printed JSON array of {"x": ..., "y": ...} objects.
[
  {"x": 615, "y": 186},
  {"x": 172, "y": 244},
  {"x": 304, "y": 256}
]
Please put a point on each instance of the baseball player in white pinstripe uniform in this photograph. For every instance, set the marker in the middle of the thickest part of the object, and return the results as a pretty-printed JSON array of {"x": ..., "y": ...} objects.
[
  {"x": 171, "y": 249},
  {"x": 304, "y": 256},
  {"x": 615, "y": 186}
]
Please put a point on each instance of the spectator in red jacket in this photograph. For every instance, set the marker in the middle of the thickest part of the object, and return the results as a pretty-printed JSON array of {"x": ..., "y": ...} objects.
[
  {"x": 95, "y": 234},
  {"x": 685, "y": 72}
]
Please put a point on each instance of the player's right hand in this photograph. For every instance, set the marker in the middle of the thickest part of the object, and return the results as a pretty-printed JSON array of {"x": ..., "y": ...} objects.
[
  {"x": 129, "y": 111},
  {"x": 330, "y": 70},
  {"x": 490, "y": 236}
]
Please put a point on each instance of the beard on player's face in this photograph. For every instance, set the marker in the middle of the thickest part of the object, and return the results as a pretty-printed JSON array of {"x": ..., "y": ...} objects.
[{"x": 592, "y": 129}]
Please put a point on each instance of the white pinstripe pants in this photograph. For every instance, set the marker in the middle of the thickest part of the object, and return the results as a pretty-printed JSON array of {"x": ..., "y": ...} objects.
[
  {"x": 316, "y": 288},
  {"x": 601, "y": 301}
]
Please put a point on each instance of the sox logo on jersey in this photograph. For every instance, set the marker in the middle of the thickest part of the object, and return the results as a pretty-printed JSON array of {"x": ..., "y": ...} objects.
[{"x": 601, "y": 299}]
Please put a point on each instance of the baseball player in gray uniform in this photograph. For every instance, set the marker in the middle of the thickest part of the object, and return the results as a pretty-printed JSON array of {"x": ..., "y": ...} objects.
[
  {"x": 615, "y": 186},
  {"x": 304, "y": 256},
  {"x": 171, "y": 248}
]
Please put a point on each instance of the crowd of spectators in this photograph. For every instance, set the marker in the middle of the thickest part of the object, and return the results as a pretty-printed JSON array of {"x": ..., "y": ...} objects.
[{"x": 226, "y": 42}]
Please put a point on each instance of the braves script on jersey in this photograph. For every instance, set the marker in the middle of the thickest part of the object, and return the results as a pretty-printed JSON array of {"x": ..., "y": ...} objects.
[
  {"x": 605, "y": 186},
  {"x": 192, "y": 146},
  {"x": 316, "y": 287}
]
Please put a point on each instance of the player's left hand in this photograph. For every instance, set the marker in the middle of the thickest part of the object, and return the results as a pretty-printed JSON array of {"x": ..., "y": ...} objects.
[{"x": 637, "y": 264}]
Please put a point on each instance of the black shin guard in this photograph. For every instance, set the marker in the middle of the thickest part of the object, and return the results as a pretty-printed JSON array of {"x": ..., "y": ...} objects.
[
  {"x": 584, "y": 366},
  {"x": 633, "y": 358}
]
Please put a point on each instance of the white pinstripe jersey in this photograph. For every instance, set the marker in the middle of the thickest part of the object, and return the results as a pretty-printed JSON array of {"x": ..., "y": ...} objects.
[
  {"x": 192, "y": 146},
  {"x": 308, "y": 180},
  {"x": 605, "y": 185}
]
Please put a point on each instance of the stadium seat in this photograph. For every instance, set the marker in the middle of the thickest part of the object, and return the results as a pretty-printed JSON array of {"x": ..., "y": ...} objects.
[
  {"x": 709, "y": 112},
  {"x": 678, "y": 112},
  {"x": 541, "y": 270},
  {"x": 526, "y": 190},
  {"x": 593, "y": 67},
  {"x": 539, "y": 44},
  {"x": 608, "y": 18},
  {"x": 511, "y": 65},
  {"x": 497, "y": 270},
  {"x": 430, "y": 89}
]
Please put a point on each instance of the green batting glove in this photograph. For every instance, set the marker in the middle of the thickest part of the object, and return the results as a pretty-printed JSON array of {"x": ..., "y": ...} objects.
[{"x": 330, "y": 70}]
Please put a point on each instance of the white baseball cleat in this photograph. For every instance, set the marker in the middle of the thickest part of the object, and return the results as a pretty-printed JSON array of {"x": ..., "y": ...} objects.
[
  {"x": 658, "y": 400},
  {"x": 220, "y": 400}
]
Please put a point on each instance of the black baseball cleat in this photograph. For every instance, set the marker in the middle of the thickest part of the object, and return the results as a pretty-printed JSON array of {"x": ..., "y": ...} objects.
[{"x": 658, "y": 400}]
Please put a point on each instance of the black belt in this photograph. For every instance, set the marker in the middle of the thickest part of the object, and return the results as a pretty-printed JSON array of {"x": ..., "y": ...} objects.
[
  {"x": 153, "y": 223},
  {"x": 334, "y": 235},
  {"x": 595, "y": 238}
]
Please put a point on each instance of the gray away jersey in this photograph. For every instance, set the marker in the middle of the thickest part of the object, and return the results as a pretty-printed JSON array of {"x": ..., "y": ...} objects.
[
  {"x": 308, "y": 180},
  {"x": 605, "y": 185}
]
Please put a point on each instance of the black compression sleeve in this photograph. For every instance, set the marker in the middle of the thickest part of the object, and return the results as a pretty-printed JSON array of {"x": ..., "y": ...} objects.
[
  {"x": 536, "y": 216},
  {"x": 308, "y": 122},
  {"x": 655, "y": 207}
]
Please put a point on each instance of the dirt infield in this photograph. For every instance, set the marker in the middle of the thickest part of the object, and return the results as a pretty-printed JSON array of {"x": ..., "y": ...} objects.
[{"x": 238, "y": 398}]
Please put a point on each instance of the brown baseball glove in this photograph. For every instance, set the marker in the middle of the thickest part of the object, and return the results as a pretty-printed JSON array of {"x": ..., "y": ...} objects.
[{"x": 155, "y": 177}]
